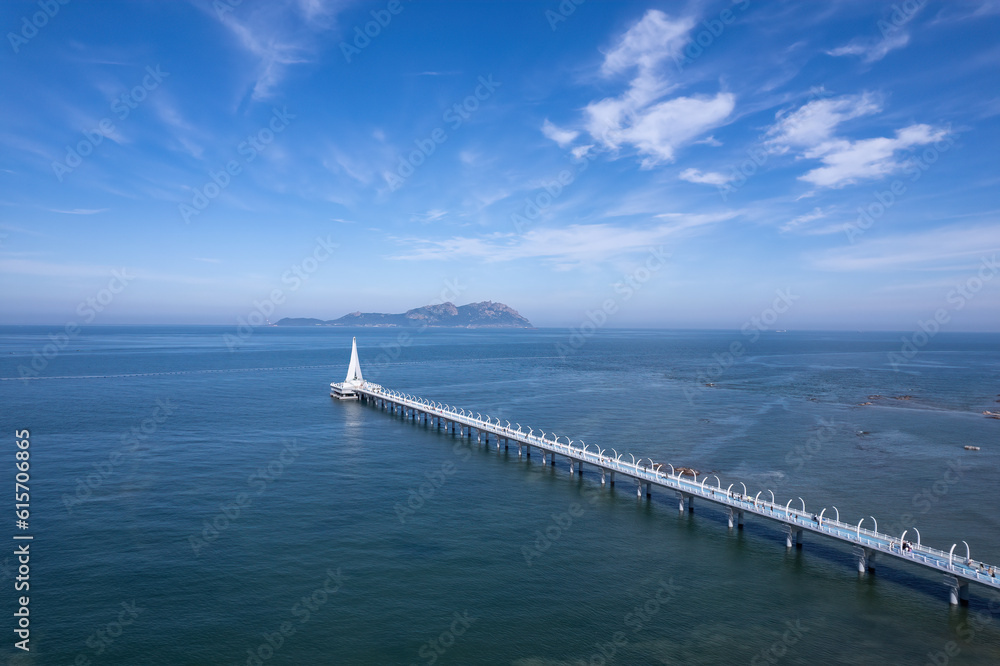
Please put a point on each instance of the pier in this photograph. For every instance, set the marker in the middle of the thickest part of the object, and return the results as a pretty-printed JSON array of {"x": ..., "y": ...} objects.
[{"x": 869, "y": 544}]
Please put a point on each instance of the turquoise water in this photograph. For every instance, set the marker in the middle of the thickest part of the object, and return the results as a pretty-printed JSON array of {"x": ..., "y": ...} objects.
[{"x": 243, "y": 517}]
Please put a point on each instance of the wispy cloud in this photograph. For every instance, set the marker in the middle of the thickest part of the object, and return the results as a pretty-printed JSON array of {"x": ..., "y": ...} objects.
[
  {"x": 704, "y": 177},
  {"x": 49, "y": 269},
  {"x": 928, "y": 250},
  {"x": 279, "y": 34},
  {"x": 566, "y": 247},
  {"x": 429, "y": 216},
  {"x": 45, "y": 269},
  {"x": 873, "y": 49},
  {"x": 561, "y": 136},
  {"x": 803, "y": 220},
  {"x": 79, "y": 211}
]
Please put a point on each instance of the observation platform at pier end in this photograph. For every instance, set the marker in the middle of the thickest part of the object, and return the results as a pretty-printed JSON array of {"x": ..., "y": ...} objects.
[{"x": 683, "y": 484}]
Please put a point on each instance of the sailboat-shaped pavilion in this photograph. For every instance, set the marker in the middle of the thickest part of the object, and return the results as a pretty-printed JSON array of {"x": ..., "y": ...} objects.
[{"x": 347, "y": 390}]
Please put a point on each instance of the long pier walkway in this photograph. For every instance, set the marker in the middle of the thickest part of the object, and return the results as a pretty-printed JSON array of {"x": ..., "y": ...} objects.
[{"x": 960, "y": 568}]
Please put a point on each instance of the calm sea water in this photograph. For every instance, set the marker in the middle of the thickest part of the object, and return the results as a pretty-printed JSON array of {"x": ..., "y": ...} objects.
[{"x": 193, "y": 505}]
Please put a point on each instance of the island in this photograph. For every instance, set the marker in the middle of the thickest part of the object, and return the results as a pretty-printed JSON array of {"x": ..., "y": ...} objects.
[{"x": 485, "y": 314}]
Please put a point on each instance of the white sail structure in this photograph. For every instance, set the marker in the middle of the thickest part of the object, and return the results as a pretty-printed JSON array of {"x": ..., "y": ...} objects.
[
  {"x": 354, "y": 377},
  {"x": 347, "y": 390}
]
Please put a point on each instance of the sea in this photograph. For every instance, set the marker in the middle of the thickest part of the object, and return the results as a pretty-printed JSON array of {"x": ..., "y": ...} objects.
[{"x": 197, "y": 497}]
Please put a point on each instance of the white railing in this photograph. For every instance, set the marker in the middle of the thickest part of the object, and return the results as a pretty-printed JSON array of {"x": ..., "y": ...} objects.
[{"x": 652, "y": 473}]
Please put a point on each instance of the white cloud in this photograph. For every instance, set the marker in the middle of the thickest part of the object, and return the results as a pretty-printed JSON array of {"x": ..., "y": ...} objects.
[
  {"x": 708, "y": 141},
  {"x": 51, "y": 270},
  {"x": 704, "y": 178},
  {"x": 342, "y": 163},
  {"x": 845, "y": 162},
  {"x": 561, "y": 136},
  {"x": 814, "y": 123},
  {"x": 565, "y": 247},
  {"x": 873, "y": 50},
  {"x": 810, "y": 131},
  {"x": 640, "y": 117},
  {"x": 934, "y": 249},
  {"x": 662, "y": 128},
  {"x": 79, "y": 211},
  {"x": 430, "y": 216},
  {"x": 803, "y": 220},
  {"x": 646, "y": 44},
  {"x": 278, "y": 36}
]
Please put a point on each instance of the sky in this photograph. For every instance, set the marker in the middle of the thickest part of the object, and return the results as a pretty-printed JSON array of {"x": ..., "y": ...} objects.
[{"x": 639, "y": 164}]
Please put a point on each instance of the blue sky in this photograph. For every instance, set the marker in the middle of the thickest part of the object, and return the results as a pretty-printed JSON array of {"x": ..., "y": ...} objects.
[{"x": 681, "y": 164}]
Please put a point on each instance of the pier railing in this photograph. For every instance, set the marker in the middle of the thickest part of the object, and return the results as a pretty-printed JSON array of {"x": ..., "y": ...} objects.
[{"x": 687, "y": 485}]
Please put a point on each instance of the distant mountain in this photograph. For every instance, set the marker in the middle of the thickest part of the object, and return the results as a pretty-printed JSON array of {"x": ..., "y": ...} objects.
[{"x": 486, "y": 314}]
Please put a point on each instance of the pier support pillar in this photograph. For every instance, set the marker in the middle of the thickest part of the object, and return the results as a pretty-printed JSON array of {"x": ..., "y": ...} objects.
[
  {"x": 958, "y": 595},
  {"x": 612, "y": 477},
  {"x": 788, "y": 536},
  {"x": 690, "y": 504},
  {"x": 680, "y": 503},
  {"x": 527, "y": 450},
  {"x": 649, "y": 489},
  {"x": 739, "y": 517},
  {"x": 731, "y": 517},
  {"x": 638, "y": 488},
  {"x": 798, "y": 538},
  {"x": 579, "y": 468},
  {"x": 544, "y": 453},
  {"x": 519, "y": 449},
  {"x": 603, "y": 476},
  {"x": 866, "y": 560},
  {"x": 506, "y": 444}
]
